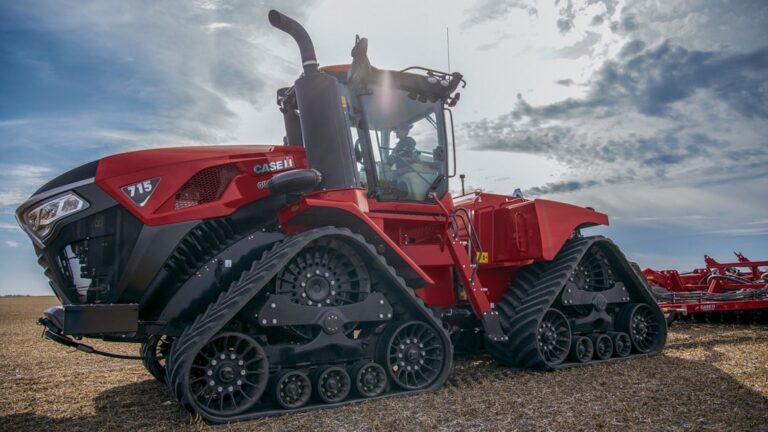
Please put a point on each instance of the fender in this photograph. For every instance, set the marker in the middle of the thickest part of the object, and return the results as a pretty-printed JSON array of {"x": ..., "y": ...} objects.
[
  {"x": 557, "y": 221},
  {"x": 317, "y": 210}
]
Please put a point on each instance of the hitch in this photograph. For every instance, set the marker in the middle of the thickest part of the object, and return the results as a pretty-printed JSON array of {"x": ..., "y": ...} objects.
[{"x": 53, "y": 333}]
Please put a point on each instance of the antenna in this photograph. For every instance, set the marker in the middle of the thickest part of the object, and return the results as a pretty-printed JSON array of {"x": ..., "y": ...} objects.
[{"x": 448, "y": 47}]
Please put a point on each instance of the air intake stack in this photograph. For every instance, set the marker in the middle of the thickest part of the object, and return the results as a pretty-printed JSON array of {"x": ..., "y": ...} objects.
[{"x": 324, "y": 127}]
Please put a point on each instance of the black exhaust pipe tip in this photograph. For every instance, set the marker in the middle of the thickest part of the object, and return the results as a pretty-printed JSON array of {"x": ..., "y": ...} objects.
[{"x": 300, "y": 35}]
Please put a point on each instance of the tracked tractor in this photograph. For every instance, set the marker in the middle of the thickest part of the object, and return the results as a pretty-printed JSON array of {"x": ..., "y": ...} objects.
[{"x": 334, "y": 268}]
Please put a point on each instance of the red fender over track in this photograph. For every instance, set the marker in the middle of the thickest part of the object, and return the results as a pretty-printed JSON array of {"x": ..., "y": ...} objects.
[{"x": 347, "y": 208}]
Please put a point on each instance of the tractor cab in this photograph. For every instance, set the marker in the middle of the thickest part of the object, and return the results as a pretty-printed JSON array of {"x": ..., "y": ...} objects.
[
  {"x": 400, "y": 144},
  {"x": 399, "y": 123}
]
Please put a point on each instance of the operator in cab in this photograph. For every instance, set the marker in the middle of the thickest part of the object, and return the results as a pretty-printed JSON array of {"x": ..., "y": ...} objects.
[{"x": 405, "y": 148}]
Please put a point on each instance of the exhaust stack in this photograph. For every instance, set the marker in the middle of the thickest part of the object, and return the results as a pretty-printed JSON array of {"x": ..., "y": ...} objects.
[
  {"x": 299, "y": 34},
  {"x": 322, "y": 107}
]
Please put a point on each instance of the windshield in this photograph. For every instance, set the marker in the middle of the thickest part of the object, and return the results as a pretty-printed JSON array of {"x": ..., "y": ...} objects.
[{"x": 408, "y": 145}]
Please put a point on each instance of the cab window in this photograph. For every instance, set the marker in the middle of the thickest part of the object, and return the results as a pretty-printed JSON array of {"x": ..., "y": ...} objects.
[{"x": 408, "y": 145}]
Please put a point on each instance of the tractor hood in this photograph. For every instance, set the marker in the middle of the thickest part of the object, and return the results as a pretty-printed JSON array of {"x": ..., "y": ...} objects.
[
  {"x": 75, "y": 175},
  {"x": 171, "y": 185}
]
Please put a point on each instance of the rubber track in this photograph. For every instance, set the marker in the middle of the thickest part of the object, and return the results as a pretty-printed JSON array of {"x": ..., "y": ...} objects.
[
  {"x": 534, "y": 291},
  {"x": 251, "y": 282}
]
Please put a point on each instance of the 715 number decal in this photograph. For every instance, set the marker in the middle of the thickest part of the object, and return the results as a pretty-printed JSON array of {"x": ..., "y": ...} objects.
[{"x": 140, "y": 192}]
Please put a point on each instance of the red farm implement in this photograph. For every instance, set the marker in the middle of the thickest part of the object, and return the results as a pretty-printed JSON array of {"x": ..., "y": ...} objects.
[{"x": 719, "y": 292}]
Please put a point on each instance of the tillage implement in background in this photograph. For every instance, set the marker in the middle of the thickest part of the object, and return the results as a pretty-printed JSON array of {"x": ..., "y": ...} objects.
[
  {"x": 719, "y": 292},
  {"x": 262, "y": 280}
]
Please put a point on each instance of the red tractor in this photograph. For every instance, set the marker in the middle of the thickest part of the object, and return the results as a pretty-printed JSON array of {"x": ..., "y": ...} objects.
[{"x": 270, "y": 279}]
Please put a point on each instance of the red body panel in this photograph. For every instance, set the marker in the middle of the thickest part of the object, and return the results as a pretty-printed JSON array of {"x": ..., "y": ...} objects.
[
  {"x": 175, "y": 166},
  {"x": 514, "y": 231},
  {"x": 416, "y": 238},
  {"x": 517, "y": 232}
]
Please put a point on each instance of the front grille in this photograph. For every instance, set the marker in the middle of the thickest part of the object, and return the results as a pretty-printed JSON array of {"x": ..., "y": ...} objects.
[{"x": 86, "y": 260}]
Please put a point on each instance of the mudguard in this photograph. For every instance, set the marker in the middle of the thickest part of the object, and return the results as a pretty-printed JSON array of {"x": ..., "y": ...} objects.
[{"x": 313, "y": 212}]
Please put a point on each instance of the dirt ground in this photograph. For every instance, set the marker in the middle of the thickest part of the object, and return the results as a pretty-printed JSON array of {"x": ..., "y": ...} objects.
[{"x": 710, "y": 377}]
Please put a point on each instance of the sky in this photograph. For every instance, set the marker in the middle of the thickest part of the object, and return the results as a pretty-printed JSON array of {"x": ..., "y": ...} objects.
[{"x": 654, "y": 112}]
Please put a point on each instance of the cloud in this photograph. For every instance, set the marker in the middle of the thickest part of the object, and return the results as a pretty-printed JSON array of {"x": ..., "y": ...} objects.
[
  {"x": 485, "y": 11},
  {"x": 569, "y": 11},
  {"x": 163, "y": 74},
  {"x": 654, "y": 79},
  {"x": 84, "y": 79},
  {"x": 741, "y": 231},
  {"x": 580, "y": 48},
  {"x": 27, "y": 171},
  {"x": 9, "y": 227},
  {"x": 12, "y": 198},
  {"x": 639, "y": 115},
  {"x": 563, "y": 186},
  {"x": 12, "y": 244},
  {"x": 567, "y": 16}
]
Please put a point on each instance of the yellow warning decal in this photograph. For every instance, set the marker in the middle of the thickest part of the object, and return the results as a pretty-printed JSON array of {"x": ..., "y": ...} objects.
[
  {"x": 344, "y": 102},
  {"x": 482, "y": 257}
]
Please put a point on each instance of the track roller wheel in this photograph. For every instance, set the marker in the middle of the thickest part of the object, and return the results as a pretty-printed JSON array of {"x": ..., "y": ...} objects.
[
  {"x": 292, "y": 389},
  {"x": 370, "y": 379},
  {"x": 622, "y": 344},
  {"x": 603, "y": 346},
  {"x": 332, "y": 384},
  {"x": 643, "y": 326},
  {"x": 553, "y": 337},
  {"x": 414, "y": 355},
  {"x": 228, "y": 375},
  {"x": 581, "y": 349},
  {"x": 154, "y": 353}
]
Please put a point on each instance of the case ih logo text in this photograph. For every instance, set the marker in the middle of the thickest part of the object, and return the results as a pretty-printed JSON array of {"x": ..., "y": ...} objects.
[{"x": 279, "y": 165}]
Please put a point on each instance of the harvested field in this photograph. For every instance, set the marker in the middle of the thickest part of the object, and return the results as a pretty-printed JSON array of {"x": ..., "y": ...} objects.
[{"x": 710, "y": 377}]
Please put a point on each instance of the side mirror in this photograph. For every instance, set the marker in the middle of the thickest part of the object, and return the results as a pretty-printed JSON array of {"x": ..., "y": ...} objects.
[{"x": 449, "y": 119}]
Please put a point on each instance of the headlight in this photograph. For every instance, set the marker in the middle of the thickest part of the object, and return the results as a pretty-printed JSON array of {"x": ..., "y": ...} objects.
[{"x": 40, "y": 219}]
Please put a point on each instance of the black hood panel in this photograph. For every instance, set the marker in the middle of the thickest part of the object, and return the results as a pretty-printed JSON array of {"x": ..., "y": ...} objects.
[{"x": 74, "y": 175}]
